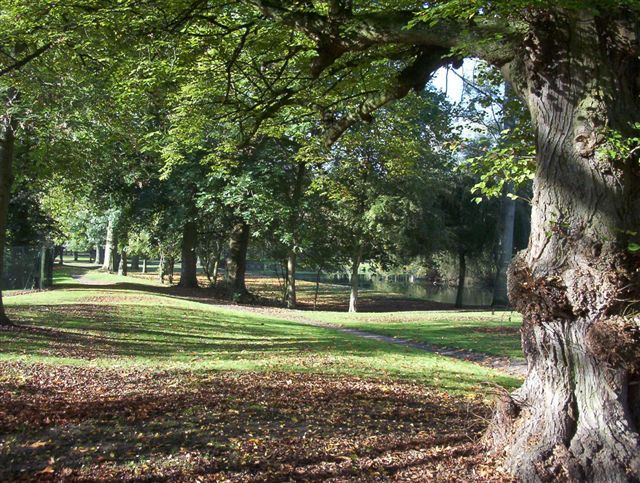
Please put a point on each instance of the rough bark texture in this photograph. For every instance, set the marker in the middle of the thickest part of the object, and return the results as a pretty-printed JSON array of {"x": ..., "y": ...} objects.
[
  {"x": 7, "y": 145},
  {"x": 355, "y": 280},
  {"x": 135, "y": 263},
  {"x": 462, "y": 275},
  {"x": 188, "y": 267},
  {"x": 577, "y": 285},
  {"x": 237, "y": 259}
]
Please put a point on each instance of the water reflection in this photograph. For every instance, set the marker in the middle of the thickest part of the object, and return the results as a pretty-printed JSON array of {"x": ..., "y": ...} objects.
[{"x": 419, "y": 289}]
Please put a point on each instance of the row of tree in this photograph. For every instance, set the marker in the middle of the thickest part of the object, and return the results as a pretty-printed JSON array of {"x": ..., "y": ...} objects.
[{"x": 385, "y": 193}]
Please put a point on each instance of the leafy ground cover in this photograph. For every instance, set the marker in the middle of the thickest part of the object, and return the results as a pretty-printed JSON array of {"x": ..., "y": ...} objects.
[{"x": 134, "y": 381}]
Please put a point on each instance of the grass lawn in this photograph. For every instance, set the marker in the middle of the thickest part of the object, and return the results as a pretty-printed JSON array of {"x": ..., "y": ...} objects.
[
  {"x": 127, "y": 380},
  {"x": 495, "y": 333}
]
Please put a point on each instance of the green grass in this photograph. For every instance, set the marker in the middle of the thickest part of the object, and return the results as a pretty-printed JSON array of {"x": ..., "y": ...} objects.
[
  {"x": 122, "y": 325},
  {"x": 492, "y": 333}
]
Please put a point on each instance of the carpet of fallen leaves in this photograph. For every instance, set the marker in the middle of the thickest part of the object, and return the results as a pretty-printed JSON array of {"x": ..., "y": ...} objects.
[{"x": 78, "y": 423}]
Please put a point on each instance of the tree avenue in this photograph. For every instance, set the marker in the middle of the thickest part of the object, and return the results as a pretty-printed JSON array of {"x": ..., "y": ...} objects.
[{"x": 575, "y": 64}]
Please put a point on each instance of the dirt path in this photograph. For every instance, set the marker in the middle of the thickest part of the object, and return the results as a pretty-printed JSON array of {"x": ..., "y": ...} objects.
[{"x": 83, "y": 279}]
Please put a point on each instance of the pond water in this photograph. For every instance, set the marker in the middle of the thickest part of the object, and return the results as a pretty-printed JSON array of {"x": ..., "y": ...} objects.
[
  {"x": 426, "y": 290},
  {"x": 420, "y": 289}
]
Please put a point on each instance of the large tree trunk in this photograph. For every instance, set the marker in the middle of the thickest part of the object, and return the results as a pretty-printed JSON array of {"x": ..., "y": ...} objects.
[
  {"x": 355, "y": 279},
  {"x": 291, "y": 279},
  {"x": 189, "y": 265},
  {"x": 462, "y": 275},
  {"x": 237, "y": 259},
  {"x": 577, "y": 285},
  {"x": 7, "y": 146},
  {"x": 135, "y": 263}
]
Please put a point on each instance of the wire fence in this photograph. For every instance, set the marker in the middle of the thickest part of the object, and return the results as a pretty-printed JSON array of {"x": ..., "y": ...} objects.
[{"x": 27, "y": 268}]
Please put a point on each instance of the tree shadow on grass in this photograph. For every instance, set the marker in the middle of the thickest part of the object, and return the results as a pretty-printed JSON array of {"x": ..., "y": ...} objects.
[
  {"x": 89, "y": 331},
  {"x": 235, "y": 426}
]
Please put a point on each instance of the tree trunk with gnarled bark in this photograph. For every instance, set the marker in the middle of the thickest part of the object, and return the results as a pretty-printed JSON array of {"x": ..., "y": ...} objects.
[
  {"x": 7, "y": 148},
  {"x": 189, "y": 265},
  {"x": 237, "y": 259},
  {"x": 577, "y": 285}
]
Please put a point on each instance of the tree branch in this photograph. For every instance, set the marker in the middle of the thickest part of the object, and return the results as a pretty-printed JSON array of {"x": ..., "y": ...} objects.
[
  {"x": 26, "y": 59},
  {"x": 412, "y": 78}
]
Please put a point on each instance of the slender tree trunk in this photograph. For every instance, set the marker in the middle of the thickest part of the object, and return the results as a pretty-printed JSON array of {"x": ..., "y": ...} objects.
[
  {"x": 75, "y": 256},
  {"x": 108, "y": 247},
  {"x": 188, "y": 267},
  {"x": 216, "y": 268},
  {"x": 285, "y": 278},
  {"x": 115, "y": 256},
  {"x": 161, "y": 268},
  {"x": 237, "y": 260},
  {"x": 122, "y": 266},
  {"x": 577, "y": 285},
  {"x": 60, "y": 250},
  {"x": 135, "y": 263},
  {"x": 500, "y": 295},
  {"x": 291, "y": 279},
  {"x": 171, "y": 264},
  {"x": 462, "y": 275},
  {"x": 7, "y": 146},
  {"x": 355, "y": 279}
]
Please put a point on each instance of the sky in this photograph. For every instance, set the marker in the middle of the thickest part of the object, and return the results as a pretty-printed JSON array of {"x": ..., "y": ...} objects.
[{"x": 450, "y": 83}]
